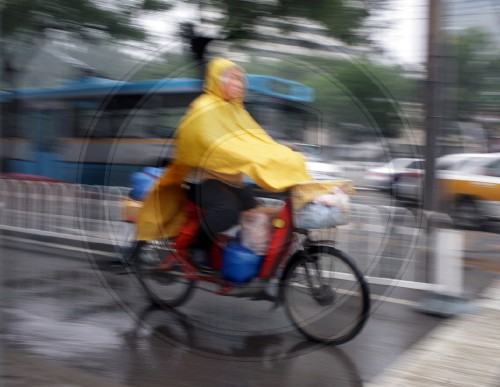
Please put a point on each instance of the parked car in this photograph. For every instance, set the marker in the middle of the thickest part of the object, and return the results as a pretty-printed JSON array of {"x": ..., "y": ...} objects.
[
  {"x": 385, "y": 176},
  {"x": 473, "y": 197}
]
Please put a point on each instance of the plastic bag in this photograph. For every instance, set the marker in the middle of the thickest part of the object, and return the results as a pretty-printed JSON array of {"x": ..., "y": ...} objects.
[
  {"x": 307, "y": 192},
  {"x": 143, "y": 181},
  {"x": 239, "y": 264},
  {"x": 324, "y": 211},
  {"x": 315, "y": 215},
  {"x": 337, "y": 198},
  {"x": 255, "y": 231}
]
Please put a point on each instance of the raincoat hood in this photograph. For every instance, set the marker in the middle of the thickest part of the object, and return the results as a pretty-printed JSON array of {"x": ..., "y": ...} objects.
[
  {"x": 218, "y": 136},
  {"x": 215, "y": 71}
]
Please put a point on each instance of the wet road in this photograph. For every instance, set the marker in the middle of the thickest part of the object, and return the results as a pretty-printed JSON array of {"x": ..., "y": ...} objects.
[{"x": 75, "y": 308}]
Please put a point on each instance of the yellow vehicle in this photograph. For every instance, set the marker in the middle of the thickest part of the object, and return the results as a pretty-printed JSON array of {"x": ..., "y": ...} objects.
[{"x": 472, "y": 195}]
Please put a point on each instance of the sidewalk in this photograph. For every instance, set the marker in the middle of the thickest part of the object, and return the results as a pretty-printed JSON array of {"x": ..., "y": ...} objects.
[{"x": 464, "y": 351}]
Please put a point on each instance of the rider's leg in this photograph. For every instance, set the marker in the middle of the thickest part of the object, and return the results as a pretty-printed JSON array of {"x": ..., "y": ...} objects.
[
  {"x": 245, "y": 197},
  {"x": 220, "y": 208}
]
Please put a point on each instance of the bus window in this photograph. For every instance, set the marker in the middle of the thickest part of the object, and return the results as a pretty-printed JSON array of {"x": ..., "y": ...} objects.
[
  {"x": 169, "y": 118},
  {"x": 28, "y": 121},
  {"x": 9, "y": 125},
  {"x": 137, "y": 123},
  {"x": 93, "y": 123},
  {"x": 149, "y": 123},
  {"x": 283, "y": 122}
]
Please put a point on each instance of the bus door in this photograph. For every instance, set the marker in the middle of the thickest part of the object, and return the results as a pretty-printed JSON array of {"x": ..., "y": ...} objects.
[{"x": 45, "y": 143}]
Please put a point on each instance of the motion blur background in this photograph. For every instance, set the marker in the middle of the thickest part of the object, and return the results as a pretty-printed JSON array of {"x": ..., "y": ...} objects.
[
  {"x": 389, "y": 94},
  {"x": 365, "y": 60}
]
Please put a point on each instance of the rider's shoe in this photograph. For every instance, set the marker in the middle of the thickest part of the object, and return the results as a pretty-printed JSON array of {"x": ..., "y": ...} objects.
[
  {"x": 250, "y": 289},
  {"x": 265, "y": 295},
  {"x": 201, "y": 260}
]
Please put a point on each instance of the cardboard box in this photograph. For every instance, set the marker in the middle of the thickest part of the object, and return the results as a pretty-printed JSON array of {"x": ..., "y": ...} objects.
[{"x": 130, "y": 209}]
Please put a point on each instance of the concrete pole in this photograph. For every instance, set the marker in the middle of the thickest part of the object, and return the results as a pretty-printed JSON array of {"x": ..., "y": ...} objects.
[{"x": 433, "y": 104}]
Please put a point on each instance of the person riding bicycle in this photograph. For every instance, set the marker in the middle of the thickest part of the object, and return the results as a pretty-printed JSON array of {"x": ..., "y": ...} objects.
[{"x": 219, "y": 146}]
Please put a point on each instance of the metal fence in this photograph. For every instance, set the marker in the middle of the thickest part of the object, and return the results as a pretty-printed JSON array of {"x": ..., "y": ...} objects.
[
  {"x": 388, "y": 243},
  {"x": 91, "y": 213}
]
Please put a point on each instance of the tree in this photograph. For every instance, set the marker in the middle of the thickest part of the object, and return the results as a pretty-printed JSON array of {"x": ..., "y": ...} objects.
[
  {"x": 378, "y": 90},
  {"x": 29, "y": 21},
  {"x": 26, "y": 22},
  {"x": 471, "y": 50},
  {"x": 359, "y": 100},
  {"x": 343, "y": 19}
]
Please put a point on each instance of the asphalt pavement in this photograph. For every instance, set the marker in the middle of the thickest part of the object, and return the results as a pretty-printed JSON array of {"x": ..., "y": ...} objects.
[
  {"x": 464, "y": 351},
  {"x": 70, "y": 321}
]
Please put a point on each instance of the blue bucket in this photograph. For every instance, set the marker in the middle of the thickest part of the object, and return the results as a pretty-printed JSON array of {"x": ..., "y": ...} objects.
[{"x": 239, "y": 264}]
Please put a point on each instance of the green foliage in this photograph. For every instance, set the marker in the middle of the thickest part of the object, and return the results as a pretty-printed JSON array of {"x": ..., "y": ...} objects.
[
  {"x": 362, "y": 95},
  {"x": 173, "y": 66},
  {"x": 474, "y": 64},
  {"x": 342, "y": 18},
  {"x": 155, "y": 5},
  {"x": 377, "y": 91},
  {"x": 358, "y": 100},
  {"x": 77, "y": 16}
]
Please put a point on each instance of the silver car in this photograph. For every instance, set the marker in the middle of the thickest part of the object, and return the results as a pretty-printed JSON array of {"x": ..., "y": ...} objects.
[{"x": 385, "y": 176}]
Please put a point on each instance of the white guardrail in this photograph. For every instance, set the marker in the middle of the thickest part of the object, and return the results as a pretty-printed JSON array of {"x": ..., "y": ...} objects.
[
  {"x": 80, "y": 212},
  {"x": 388, "y": 243}
]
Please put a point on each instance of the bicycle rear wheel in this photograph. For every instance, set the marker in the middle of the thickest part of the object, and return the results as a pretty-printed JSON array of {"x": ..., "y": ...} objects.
[
  {"x": 166, "y": 285},
  {"x": 325, "y": 295}
]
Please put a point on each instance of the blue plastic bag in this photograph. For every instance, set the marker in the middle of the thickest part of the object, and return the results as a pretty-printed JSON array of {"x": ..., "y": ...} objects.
[
  {"x": 142, "y": 182},
  {"x": 239, "y": 264}
]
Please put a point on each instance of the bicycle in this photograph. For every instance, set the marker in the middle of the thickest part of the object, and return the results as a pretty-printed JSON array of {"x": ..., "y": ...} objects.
[{"x": 318, "y": 282}]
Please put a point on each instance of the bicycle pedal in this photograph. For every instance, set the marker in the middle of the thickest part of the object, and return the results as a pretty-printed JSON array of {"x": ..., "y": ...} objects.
[
  {"x": 264, "y": 296},
  {"x": 208, "y": 272},
  {"x": 123, "y": 273}
]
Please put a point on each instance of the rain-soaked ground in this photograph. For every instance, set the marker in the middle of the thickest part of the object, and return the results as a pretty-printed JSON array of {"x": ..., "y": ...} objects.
[{"x": 61, "y": 305}]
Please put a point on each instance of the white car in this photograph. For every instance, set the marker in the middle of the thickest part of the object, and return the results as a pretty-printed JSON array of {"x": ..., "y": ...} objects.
[{"x": 385, "y": 176}]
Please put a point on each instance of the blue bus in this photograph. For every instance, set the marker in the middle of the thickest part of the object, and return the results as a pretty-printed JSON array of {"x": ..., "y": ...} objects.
[{"x": 100, "y": 131}]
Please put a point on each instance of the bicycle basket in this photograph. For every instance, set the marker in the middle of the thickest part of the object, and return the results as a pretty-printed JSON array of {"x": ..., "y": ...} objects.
[{"x": 320, "y": 205}]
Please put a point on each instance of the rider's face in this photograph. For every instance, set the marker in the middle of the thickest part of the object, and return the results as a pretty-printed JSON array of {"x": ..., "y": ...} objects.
[{"x": 233, "y": 84}]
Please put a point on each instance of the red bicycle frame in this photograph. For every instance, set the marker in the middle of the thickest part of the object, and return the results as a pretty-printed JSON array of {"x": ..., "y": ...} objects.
[{"x": 279, "y": 247}]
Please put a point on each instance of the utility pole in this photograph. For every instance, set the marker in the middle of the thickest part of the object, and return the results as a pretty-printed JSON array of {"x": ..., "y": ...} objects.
[
  {"x": 439, "y": 264},
  {"x": 433, "y": 104}
]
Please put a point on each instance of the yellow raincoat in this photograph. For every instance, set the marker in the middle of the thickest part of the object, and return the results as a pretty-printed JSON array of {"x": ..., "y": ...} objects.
[{"x": 220, "y": 136}]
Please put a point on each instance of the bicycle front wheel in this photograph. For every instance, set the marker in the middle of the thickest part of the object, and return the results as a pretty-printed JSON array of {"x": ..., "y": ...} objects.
[
  {"x": 325, "y": 295},
  {"x": 166, "y": 285}
]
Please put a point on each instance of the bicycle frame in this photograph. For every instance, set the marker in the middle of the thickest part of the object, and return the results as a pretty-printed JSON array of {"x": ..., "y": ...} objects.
[{"x": 278, "y": 251}]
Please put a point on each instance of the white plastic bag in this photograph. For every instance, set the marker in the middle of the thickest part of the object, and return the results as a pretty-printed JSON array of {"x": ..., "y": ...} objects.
[
  {"x": 324, "y": 211},
  {"x": 255, "y": 231},
  {"x": 337, "y": 198},
  {"x": 314, "y": 215}
]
